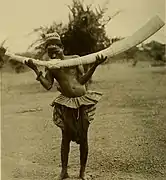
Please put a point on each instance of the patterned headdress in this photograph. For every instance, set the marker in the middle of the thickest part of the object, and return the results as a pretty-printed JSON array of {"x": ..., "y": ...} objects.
[{"x": 51, "y": 36}]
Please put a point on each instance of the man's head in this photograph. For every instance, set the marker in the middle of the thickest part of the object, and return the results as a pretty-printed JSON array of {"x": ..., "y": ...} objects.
[{"x": 54, "y": 46}]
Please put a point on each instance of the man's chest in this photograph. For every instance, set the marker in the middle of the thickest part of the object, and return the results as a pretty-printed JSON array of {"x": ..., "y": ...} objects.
[
  {"x": 65, "y": 72},
  {"x": 69, "y": 71}
]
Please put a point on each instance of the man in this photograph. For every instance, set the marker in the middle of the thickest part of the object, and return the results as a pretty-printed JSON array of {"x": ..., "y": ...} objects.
[{"x": 74, "y": 107}]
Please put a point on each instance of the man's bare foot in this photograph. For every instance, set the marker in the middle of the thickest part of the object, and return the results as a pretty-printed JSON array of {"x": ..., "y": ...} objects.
[
  {"x": 63, "y": 175},
  {"x": 84, "y": 177}
]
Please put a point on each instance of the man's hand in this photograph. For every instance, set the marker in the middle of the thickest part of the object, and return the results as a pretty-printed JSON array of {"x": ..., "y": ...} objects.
[
  {"x": 100, "y": 59},
  {"x": 31, "y": 65}
]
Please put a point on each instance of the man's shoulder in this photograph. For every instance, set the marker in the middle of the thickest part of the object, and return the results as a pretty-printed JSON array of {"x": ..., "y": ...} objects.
[{"x": 71, "y": 56}]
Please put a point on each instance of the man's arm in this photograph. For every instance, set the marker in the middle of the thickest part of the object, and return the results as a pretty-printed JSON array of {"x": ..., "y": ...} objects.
[
  {"x": 80, "y": 70},
  {"x": 85, "y": 78},
  {"x": 46, "y": 81}
]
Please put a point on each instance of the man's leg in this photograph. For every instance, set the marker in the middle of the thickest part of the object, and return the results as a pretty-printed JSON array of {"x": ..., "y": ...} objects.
[
  {"x": 83, "y": 156},
  {"x": 83, "y": 144},
  {"x": 65, "y": 148}
]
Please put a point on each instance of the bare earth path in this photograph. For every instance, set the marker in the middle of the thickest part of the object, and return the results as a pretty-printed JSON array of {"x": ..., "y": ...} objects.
[{"x": 127, "y": 139}]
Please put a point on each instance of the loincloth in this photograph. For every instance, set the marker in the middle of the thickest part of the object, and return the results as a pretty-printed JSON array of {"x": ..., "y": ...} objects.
[{"x": 75, "y": 114}]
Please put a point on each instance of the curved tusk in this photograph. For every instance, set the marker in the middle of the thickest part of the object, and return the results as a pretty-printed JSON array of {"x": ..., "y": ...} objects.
[{"x": 150, "y": 28}]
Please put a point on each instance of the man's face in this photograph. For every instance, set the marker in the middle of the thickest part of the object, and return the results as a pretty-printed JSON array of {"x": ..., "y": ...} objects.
[{"x": 55, "y": 49}]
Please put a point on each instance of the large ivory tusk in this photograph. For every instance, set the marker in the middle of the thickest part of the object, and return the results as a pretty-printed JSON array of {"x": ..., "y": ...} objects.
[{"x": 150, "y": 28}]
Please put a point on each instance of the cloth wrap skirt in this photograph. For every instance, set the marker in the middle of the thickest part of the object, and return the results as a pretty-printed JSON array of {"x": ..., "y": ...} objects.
[{"x": 73, "y": 115}]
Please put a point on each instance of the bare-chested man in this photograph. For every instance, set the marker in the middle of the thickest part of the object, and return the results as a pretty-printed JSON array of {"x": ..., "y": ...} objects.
[{"x": 74, "y": 108}]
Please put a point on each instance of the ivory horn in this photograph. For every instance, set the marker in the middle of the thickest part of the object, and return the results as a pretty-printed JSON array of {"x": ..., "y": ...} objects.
[{"x": 150, "y": 28}]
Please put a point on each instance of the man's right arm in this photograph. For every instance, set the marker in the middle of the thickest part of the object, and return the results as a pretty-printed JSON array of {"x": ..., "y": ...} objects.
[{"x": 47, "y": 80}]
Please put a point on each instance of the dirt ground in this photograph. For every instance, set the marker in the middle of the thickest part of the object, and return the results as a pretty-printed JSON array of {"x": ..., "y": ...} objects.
[{"x": 127, "y": 140}]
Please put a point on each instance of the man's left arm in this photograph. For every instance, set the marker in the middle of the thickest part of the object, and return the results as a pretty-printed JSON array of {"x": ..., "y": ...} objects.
[
  {"x": 85, "y": 78},
  {"x": 80, "y": 70}
]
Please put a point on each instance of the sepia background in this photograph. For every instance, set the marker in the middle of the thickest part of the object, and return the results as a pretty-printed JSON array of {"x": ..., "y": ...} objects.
[
  {"x": 127, "y": 140},
  {"x": 20, "y": 17}
]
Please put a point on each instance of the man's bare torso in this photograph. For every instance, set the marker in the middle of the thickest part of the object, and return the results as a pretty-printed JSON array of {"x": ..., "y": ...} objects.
[{"x": 68, "y": 79}]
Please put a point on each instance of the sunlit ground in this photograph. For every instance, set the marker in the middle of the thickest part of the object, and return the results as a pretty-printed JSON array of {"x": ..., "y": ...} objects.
[{"x": 127, "y": 141}]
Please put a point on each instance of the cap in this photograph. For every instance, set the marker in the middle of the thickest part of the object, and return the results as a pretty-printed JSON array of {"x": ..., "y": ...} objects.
[{"x": 52, "y": 36}]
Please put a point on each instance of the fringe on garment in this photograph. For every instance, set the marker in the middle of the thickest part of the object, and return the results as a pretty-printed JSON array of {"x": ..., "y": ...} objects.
[
  {"x": 90, "y": 98},
  {"x": 75, "y": 112}
]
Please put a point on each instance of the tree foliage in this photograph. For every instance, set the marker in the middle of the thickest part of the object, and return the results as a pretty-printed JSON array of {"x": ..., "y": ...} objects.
[
  {"x": 155, "y": 50},
  {"x": 86, "y": 30},
  {"x": 84, "y": 34}
]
